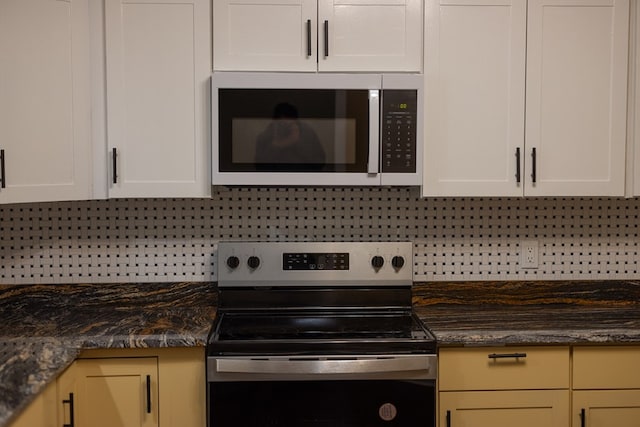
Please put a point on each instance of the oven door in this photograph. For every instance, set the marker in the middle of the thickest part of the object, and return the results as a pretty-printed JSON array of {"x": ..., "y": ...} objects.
[
  {"x": 295, "y": 129},
  {"x": 321, "y": 392}
]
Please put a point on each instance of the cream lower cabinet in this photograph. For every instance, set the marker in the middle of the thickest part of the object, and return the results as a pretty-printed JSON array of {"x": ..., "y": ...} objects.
[
  {"x": 119, "y": 391},
  {"x": 43, "y": 411},
  {"x": 505, "y": 408},
  {"x": 125, "y": 388},
  {"x": 503, "y": 387},
  {"x": 606, "y": 384}
]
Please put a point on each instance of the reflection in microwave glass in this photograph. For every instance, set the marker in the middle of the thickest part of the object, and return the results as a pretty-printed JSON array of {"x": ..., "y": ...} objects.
[{"x": 294, "y": 141}]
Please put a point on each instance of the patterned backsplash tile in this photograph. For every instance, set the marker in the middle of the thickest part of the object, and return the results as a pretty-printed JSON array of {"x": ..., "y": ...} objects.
[{"x": 455, "y": 238}]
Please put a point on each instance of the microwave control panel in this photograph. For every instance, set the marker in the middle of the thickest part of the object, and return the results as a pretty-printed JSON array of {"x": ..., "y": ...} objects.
[{"x": 399, "y": 134}]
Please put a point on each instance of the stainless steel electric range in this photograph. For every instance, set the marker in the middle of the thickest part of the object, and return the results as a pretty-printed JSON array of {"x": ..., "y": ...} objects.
[{"x": 319, "y": 334}]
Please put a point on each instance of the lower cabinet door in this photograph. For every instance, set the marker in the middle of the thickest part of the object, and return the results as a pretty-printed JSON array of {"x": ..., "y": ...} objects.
[
  {"x": 605, "y": 408},
  {"x": 522, "y": 408},
  {"x": 117, "y": 392}
]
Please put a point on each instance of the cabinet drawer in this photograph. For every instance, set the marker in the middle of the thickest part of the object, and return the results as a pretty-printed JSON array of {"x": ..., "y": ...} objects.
[
  {"x": 497, "y": 368},
  {"x": 606, "y": 367},
  {"x": 521, "y": 408}
]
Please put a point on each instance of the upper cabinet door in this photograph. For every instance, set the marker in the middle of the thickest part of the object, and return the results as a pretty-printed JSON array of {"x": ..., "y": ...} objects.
[
  {"x": 370, "y": 35},
  {"x": 45, "y": 132},
  {"x": 312, "y": 35},
  {"x": 474, "y": 97},
  {"x": 158, "y": 62},
  {"x": 577, "y": 97},
  {"x": 255, "y": 35}
]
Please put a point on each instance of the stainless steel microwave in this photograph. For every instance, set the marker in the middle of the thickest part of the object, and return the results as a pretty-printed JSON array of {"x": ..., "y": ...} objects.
[{"x": 292, "y": 129}]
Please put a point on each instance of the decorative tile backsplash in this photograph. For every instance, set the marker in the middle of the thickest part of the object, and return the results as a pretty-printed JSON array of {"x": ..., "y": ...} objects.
[{"x": 455, "y": 239}]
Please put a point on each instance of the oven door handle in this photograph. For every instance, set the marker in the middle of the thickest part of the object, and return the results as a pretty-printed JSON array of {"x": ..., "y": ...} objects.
[{"x": 306, "y": 366}]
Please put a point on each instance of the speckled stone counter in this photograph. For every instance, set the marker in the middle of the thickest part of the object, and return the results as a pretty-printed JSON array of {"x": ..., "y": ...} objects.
[
  {"x": 44, "y": 328},
  {"x": 513, "y": 313}
]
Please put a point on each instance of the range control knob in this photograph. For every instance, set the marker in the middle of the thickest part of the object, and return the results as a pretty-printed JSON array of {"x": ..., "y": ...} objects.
[
  {"x": 233, "y": 262},
  {"x": 397, "y": 262},
  {"x": 253, "y": 262},
  {"x": 377, "y": 262}
]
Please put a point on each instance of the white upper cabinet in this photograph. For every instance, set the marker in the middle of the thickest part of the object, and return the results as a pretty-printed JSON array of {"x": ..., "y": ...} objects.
[
  {"x": 634, "y": 161},
  {"x": 576, "y": 110},
  {"x": 45, "y": 117},
  {"x": 474, "y": 97},
  {"x": 312, "y": 35},
  {"x": 158, "y": 65},
  {"x": 486, "y": 115},
  {"x": 383, "y": 35},
  {"x": 265, "y": 35}
]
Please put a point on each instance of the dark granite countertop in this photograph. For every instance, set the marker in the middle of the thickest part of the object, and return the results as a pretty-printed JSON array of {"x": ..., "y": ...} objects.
[
  {"x": 43, "y": 328},
  {"x": 530, "y": 312}
]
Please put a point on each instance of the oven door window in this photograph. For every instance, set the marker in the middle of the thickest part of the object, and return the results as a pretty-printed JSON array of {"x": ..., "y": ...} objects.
[
  {"x": 357, "y": 403},
  {"x": 293, "y": 130}
]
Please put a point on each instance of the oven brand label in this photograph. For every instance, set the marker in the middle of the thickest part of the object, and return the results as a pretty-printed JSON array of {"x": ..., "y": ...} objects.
[{"x": 387, "y": 411}]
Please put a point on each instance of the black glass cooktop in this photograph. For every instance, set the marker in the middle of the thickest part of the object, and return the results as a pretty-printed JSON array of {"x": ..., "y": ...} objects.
[
  {"x": 267, "y": 326},
  {"x": 269, "y": 332}
]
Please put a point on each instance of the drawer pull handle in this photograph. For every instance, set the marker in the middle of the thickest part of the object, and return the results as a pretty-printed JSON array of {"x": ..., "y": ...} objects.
[
  {"x": 448, "y": 418},
  {"x": 71, "y": 411},
  {"x": 114, "y": 155},
  {"x": 583, "y": 418},
  {"x": 326, "y": 39},
  {"x": 308, "y": 37},
  {"x": 533, "y": 165},
  {"x": 518, "y": 165},
  {"x": 507, "y": 355},
  {"x": 148, "y": 394},
  {"x": 3, "y": 184}
]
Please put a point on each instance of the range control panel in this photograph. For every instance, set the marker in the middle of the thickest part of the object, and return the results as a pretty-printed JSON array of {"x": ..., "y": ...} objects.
[
  {"x": 399, "y": 130},
  {"x": 314, "y": 263}
]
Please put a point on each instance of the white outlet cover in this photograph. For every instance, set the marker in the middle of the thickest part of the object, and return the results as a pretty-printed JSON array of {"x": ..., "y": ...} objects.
[{"x": 529, "y": 254}]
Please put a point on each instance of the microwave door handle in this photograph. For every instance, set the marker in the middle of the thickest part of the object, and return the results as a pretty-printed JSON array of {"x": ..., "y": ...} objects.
[{"x": 374, "y": 132}]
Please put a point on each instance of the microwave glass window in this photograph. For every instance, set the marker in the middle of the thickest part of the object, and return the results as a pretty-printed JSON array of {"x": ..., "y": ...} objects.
[
  {"x": 293, "y": 130},
  {"x": 312, "y": 141}
]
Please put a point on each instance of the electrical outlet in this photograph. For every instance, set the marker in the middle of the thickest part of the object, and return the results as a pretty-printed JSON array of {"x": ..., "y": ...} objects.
[{"x": 529, "y": 254}]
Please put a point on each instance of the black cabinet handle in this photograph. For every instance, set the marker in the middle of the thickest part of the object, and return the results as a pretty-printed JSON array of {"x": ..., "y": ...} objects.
[
  {"x": 533, "y": 165},
  {"x": 448, "y": 419},
  {"x": 114, "y": 155},
  {"x": 308, "y": 37},
  {"x": 326, "y": 38},
  {"x": 583, "y": 418},
  {"x": 148, "y": 394},
  {"x": 518, "y": 165},
  {"x": 2, "y": 175},
  {"x": 507, "y": 355},
  {"x": 70, "y": 402}
]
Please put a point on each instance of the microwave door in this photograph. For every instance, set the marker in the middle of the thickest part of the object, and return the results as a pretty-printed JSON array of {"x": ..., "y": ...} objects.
[{"x": 296, "y": 137}]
